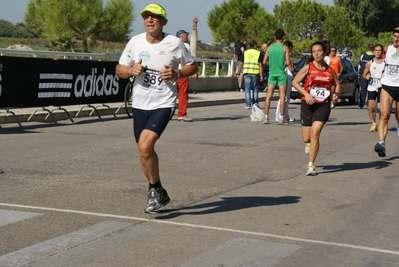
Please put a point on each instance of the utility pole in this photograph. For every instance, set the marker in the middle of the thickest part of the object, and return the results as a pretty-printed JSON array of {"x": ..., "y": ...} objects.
[{"x": 194, "y": 38}]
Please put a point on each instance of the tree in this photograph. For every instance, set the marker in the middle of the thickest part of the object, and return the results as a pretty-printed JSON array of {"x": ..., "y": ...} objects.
[
  {"x": 115, "y": 21},
  {"x": 372, "y": 16},
  {"x": 86, "y": 20},
  {"x": 241, "y": 18},
  {"x": 301, "y": 19},
  {"x": 340, "y": 30},
  {"x": 306, "y": 21}
]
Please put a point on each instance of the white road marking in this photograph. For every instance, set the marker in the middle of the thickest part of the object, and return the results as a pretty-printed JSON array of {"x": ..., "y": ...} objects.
[{"x": 303, "y": 240}]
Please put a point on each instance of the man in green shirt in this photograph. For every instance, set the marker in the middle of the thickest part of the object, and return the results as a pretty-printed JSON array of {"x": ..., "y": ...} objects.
[{"x": 277, "y": 57}]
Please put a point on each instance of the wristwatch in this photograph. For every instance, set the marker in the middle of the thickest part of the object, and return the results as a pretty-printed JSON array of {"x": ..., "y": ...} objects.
[{"x": 178, "y": 74}]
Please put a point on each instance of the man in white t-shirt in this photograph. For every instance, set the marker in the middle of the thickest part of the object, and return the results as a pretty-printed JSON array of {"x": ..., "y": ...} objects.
[
  {"x": 389, "y": 92},
  {"x": 153, "y": 58},
  {"x": 183, "y": 84}
]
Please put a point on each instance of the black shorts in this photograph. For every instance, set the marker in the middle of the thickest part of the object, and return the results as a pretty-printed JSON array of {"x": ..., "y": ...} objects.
[
  {"x": 374, "y": 95},
  {"x": 393, "y": 91},
  {"x": 315, "y": 112},
  {"x": 153, "y": 120}
]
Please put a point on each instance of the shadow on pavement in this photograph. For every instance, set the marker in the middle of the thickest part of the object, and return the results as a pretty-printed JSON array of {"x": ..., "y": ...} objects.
[
  {"x": 350, "y": 166},
  {"x": 221, "y": 118},
  {"x": 227, "y": 204},
  {"x": 34, "y": 127}
]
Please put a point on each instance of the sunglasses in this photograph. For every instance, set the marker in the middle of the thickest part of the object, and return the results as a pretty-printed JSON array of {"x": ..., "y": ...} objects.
[
  {"x": 332, "y": 50},
  {"x": 153, "y": 16}
]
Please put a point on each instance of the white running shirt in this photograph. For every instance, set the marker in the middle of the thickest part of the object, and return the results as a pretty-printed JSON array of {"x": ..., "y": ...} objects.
[
  {"x": 150, "y": 91},
  {"x": 376, "y": 70},
  {"x": 391, "y": 73}
]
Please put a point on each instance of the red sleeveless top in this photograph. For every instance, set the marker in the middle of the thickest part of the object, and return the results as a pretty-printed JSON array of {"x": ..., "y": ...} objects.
[{"x": 318, "y": 83}]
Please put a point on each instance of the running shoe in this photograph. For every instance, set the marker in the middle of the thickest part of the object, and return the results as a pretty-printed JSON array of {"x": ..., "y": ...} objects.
[
  {"x": 266, "y": 120},
  {"x": 380, "y": 149},
  {"x": 397, "y": 130},
  {"x": 185, "y": 118},
  {"x": 307, "y": 148},
  {"x": 373, "y": 127},
  {"x": 311, "y": 171},
  {"x": 283, "y": 121},
  {"x": 156, "y": 199}
]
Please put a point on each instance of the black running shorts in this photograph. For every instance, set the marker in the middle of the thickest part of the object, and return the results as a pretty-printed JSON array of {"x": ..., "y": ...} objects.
[
  {"x": 153, "y": 120},
  {"x": 393, "y": 91},
  {"x": 374, "y": 95},
  {"x": 315, "y": 112}
]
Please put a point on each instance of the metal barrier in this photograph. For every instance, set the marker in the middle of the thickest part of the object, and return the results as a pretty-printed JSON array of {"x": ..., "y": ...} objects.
[{"x": 52, "y": 78}]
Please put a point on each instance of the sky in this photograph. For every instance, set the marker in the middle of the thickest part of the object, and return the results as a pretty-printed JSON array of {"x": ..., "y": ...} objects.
[{"x": 180, "y": 13}]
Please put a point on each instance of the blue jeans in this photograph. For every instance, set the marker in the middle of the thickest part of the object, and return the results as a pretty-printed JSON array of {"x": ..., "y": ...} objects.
[
  {"x": 363, "y": 92},
  {"x": 251, "y": 83}
]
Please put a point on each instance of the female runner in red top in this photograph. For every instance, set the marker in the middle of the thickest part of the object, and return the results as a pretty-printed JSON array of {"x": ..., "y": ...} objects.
[{"x": 321, "y": 86}]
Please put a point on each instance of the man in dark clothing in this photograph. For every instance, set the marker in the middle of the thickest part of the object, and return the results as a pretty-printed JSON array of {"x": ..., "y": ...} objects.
[
  {"x": 263, "y": 85},
  {"x": 369, "y": 55},
  {"x": 239, "y": 58}
]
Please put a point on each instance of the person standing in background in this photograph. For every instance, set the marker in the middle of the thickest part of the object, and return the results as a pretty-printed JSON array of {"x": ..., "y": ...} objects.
[
  {"x": 335, "y": 61},
  {"x": 336, "y": 64},
  {"x": 289, "y": 69},
  {"x": 239, "y": 58},
  {"x": 366, "y": 57},
  {"x": 263, "y": 84},
  {"x": 183, "y": 84},
  {"x": 252, "y": 74},
  {"x": 277, "y": 56}
]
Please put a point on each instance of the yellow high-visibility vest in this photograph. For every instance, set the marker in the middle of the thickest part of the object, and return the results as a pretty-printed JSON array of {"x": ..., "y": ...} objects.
[{"x": 251, "y": 64}]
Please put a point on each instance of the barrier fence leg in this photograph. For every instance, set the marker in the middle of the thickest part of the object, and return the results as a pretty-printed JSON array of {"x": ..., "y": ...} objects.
[
  {"x": 109, "y": 108},
  {"x": 15, "y": 117},
  {"x": 89, "y": 106},
  {"x": 43, "y": 109},
  {"x": 66, "y": 111}
]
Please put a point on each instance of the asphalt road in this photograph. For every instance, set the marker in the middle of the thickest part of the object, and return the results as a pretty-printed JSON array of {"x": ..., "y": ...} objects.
[{"x": 73, "y": 194}]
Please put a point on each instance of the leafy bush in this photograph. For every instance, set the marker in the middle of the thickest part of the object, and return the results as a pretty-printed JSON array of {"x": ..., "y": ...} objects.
[{"x": 7, "y": 29}]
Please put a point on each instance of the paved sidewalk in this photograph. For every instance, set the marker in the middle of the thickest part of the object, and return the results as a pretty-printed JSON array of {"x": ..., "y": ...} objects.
[{"x": 51, "y": 114}]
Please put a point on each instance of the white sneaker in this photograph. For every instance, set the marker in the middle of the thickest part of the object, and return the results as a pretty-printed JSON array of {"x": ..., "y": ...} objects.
[
  {"x": 307, "y": 148},
  {"x": 311, "y": 171},
  {"x": 397, "y": 130},
  {"x": 241, "y": 90},
  {"x": 185, "y": 118}
]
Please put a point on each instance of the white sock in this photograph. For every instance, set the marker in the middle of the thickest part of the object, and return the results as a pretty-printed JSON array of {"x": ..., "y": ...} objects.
[{"x": 310, "y": 163}]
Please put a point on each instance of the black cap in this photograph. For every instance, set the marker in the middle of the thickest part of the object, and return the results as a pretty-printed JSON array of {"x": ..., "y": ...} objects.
[{"x": 180, "y": 32}]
